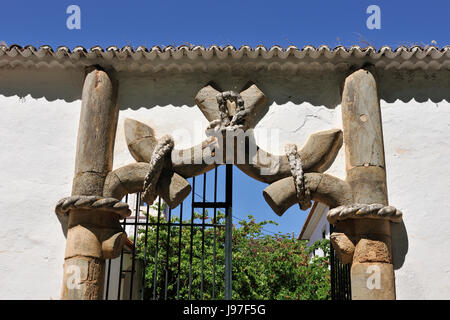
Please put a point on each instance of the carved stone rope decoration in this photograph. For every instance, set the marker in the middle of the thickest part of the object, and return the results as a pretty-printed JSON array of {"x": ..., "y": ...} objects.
[
  {"x": 92, "y": 202},
  {"x": 303, "y": 193},
  {"x": 357, "y": 211},
  {"x": 162, "y": 149},
  {"x": 238, "y": 119}
]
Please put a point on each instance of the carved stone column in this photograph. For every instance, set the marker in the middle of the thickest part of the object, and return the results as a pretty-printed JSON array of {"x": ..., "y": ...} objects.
[
  {"x": 94, "y": 233},
  {"x": 372, "y": 272}
]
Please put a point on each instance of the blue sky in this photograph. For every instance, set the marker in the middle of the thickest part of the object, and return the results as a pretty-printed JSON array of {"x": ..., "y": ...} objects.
[{"x": 232, "y": 22}]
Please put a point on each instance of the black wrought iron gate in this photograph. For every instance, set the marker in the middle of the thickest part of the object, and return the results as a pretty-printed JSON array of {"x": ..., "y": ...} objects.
[
  {"x": 172, "y": 258},
  {"x": 174, "y": 255}
]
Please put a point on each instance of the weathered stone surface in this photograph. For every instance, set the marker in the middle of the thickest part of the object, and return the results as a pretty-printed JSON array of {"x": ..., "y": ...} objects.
[
  {"x": 366, "y": 175},
  {"x": 88, "y": 229},
  {"x": 206, "y": 101},
  {"x": 372, "y": 251},
  {"x": 253, "y": 98},
  {"x": 295, "y": 162},
  {"x": 129, "y": 179},
  {"x": 372, "y": 281},
  {"x": 88, "y": 183},
  {"x": 173, "y": 188},
  {"x": 125, "y": 180},
  {"x": 361, "y": 119},
  {"x": 317, "y": 154},
  {"x": 96, "y": 133},
  {"x": 159, "y": 157},
  {"x": 186, "y": 162},
  {"x": 112, "y": 246},
  {"x": 68, "y": 204},
  {"x": 373, "y": 227},
  {"x": 358, "y": 211},
  {"x": 83, "y": 279},
  {"x": 282, "y": 194},
  {"x": 368, "y": 184},
  {"x": 93, "y": 234},
  {"x": 332, "y": 191},
  {"x": 343, "y": 247},
  {"x": 92, "y": 237},
  {"x": 140, "y": 139}
]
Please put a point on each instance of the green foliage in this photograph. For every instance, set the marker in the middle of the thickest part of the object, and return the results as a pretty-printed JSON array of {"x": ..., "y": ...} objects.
[{"x": 264, "y": 266}]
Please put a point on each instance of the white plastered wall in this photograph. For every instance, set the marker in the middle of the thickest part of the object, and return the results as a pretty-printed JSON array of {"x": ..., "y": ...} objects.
[{"x": 37, "y": 143}]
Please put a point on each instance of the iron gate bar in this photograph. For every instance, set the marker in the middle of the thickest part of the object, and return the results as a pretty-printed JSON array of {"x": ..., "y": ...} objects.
[
  {"x": 179, "y": 252},
  {"x": 203, "y": 238},
  {"x": 120, "y": 276},
  {"x": 332, "y": 277},
  {"x": 228, "y": 231},
  {"x": 195, "y": 226},
  {"x": 228, "y": 225},
  {"x": 107, "y": 279},
  {"x": 137, "y": 214},
  {"x": 167, "y": 254},
  {"x": 192, "y": 238},
  {"x": 214, "y": 237},
  {"x": 174, "y": 224},
  {"x": 145, "y": 250},
  {"x": 339, "y": 272},
  {"x": 155, "y": 274},
  {"x": 121, "y": 257}
]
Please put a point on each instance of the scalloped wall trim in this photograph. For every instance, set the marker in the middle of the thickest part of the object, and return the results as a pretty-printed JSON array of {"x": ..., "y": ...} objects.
[{"x": 184, "y": 58}]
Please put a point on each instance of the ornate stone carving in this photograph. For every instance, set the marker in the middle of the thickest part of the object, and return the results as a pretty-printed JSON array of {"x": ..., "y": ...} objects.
[
  {"x": 65, "y": 205},
  {"x": 162, "y": 149},
  {"x": 303, "y": 193},
  {"x": 230, "y": 111},
  {"x": 364, "y": 211}
]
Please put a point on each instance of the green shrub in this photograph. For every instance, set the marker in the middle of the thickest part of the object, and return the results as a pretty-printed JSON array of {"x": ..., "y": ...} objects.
[{"x": 265, "y": 266}]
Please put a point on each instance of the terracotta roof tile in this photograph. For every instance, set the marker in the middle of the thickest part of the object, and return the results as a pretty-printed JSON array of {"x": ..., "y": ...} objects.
[{"x": 130, "y": 58}]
